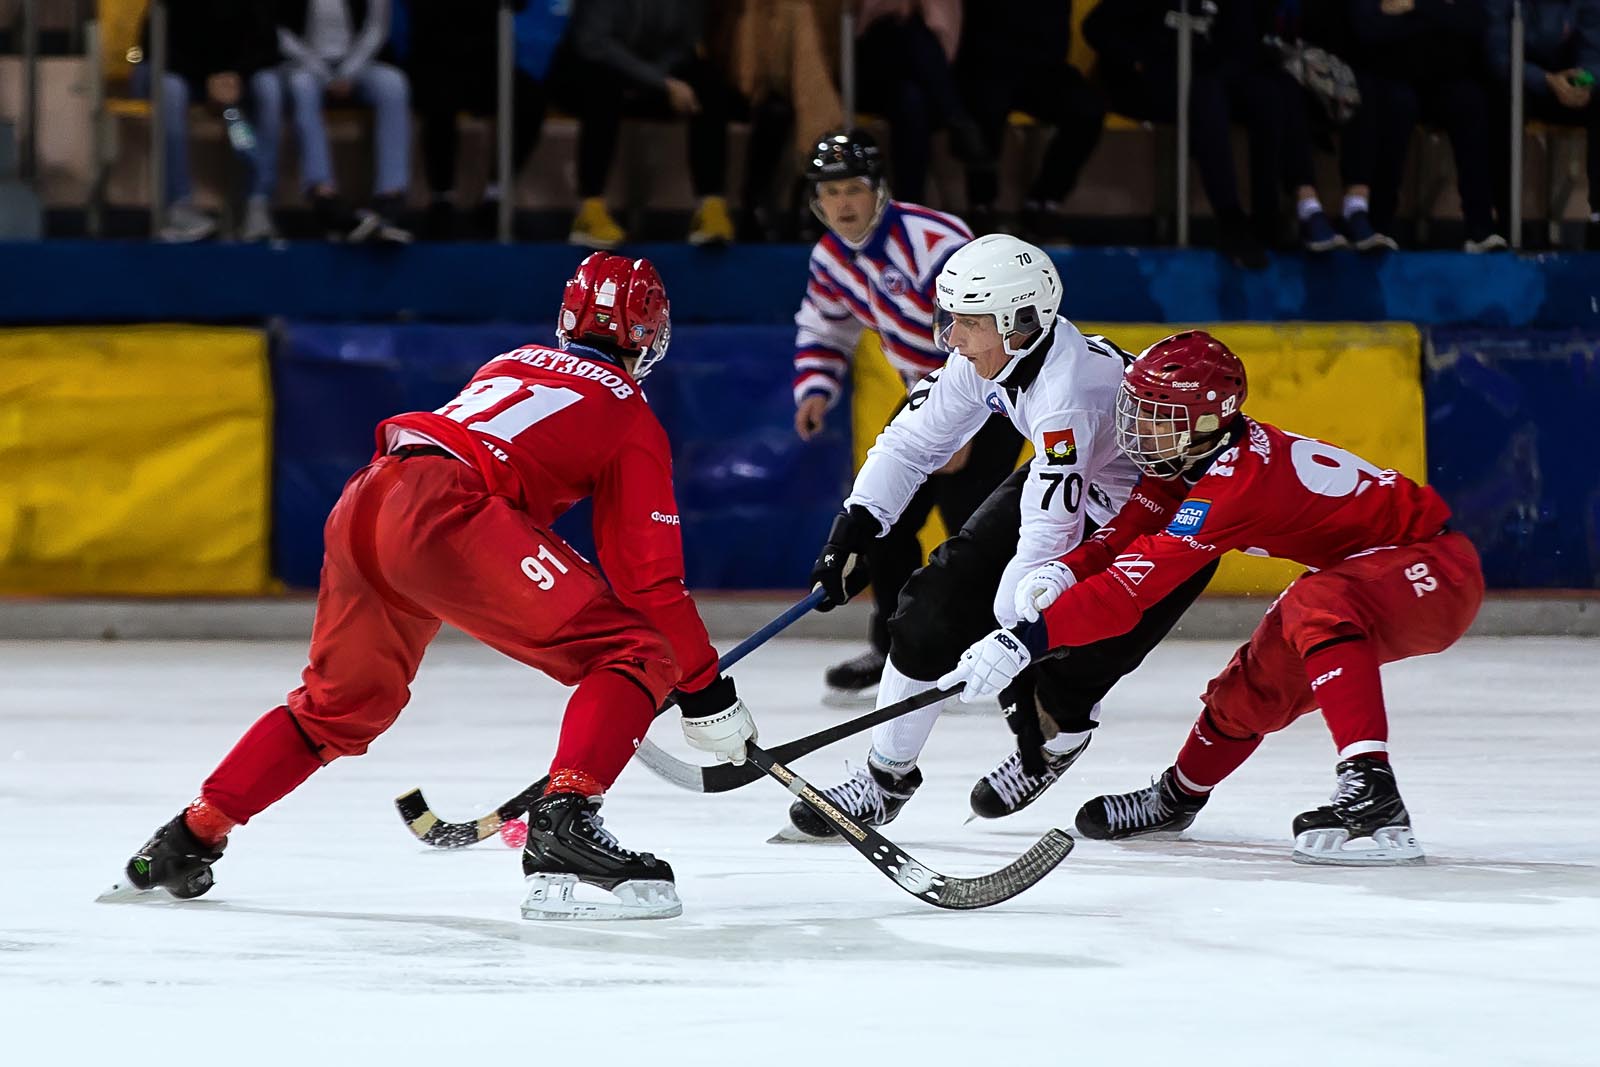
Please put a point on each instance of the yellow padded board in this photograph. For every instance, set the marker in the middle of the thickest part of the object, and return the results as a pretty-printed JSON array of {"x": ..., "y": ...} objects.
[{"x": 134, "y": 460}]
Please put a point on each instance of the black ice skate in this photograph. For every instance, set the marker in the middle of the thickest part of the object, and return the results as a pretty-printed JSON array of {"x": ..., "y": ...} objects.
[
  {"x": 1161, "y": 807},
  {"x": 567, "y": 847},
  {"x": 173, "y": 860},
  {"x": 872, "y": 797},
  {"x": 1009, "y": 788},
  {"x": 855, "y": 681},
  {"x": 1366, "y": 825}
]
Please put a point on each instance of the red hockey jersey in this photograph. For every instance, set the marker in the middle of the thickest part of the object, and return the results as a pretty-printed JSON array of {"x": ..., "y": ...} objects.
[
  {"x": 1272, "y": 493},
  {"x": 547, "y": 428}
]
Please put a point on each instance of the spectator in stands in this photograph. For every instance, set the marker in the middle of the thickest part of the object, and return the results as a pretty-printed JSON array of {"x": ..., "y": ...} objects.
[
  {"x": 781, "y": 67},
  {"x": 1014, "y": 58},
  {"x": 331, "y": 50},
  {"x": 904, "y": 55},
  {"x": 454, "y": 67},
  {"x": 1234, "y": 76},
  {"x": 223, "y": 52},
  {"x": 1428, "y": 57},
  {"x": 1561, "y": 43},
  {"x": 643, "y": 58}
]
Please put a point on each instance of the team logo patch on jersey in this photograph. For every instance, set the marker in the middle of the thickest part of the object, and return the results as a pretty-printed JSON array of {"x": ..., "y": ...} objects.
[
  {"x": 1060, "y": 447},
  {"x": 993, "y": 400},
  {"x": 1190, "y": 517},
  {"x": 894, "y": 282}
]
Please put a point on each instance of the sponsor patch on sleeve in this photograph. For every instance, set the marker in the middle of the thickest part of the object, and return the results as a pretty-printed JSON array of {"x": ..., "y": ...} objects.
[
  {"x": 1060, "y": 447},
  {"x": 1190, "y": 517}
]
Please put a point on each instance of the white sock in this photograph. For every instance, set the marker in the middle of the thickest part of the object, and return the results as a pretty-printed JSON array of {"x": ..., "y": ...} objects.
[
  {"x": 897, "y": 744},
  {"x": 1061, "y": 744},
  {"x": 1308, "y": 207},
  {"x": 1354, "y": 204}
]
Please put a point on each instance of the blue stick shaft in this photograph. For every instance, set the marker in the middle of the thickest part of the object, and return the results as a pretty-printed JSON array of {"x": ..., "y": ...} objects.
[{"x": 772, "y": 629}]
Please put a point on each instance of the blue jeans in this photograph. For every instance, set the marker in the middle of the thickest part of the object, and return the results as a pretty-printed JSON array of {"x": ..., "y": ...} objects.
[
  {"x": 385, "y": 90},
  {"x": 264, "y": 104}
]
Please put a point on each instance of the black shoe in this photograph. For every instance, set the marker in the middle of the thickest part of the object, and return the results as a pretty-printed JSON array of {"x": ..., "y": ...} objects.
[
  {"x": 175, "y": 860},
  {"x": 855, "y": 680},
  {"x": 440, "y": 222},
  {"x": 565, "y": 836},
  {"x": 872, "y": 796},
  {"x": 1591, "y": 235},
  {"x": 1161, "y": 807},
  {"x": 1237, "y": 241},
  {"x": 1366, "y": 800},
  {"x": 1009, "y": 788}
]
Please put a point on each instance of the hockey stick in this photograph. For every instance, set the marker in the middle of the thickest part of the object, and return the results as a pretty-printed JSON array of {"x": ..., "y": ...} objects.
[
  {"x": 437, "y": 832},
  {"x": 921, "y": 881},
  {"x": 725, "y": 776}
]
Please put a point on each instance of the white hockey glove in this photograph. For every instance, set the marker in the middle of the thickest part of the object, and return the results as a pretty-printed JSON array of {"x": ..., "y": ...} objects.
[
  {"x": 715, "y": 720},
  {"x": 989, "y": 666},
  {"x": 1042, "y": 587}
]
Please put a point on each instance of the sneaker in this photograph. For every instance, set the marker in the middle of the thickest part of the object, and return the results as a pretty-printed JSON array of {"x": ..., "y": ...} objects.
[
  {"x": 1366, "y": 824},
  {"x": 1318, "y": 235},
  {"x": 1161, "y": 807},
  {"x": 712, "y": 225},
  {"x": 871, "y": 796},
  {"x": 593, "y": 226},
  {"x": 1009, "y": 788},
  {"x": 377, "y": 223},
  {"x": 173, "y": 860},
  {"x": 257, "y": 225},
  {"x": 568, "y": 848},
  {"x": 1363, "y": 237},
  {"x": 1492, "y": 243},
  {"x": 185, "y": 224},
  {"x": 855, "y": 681}
]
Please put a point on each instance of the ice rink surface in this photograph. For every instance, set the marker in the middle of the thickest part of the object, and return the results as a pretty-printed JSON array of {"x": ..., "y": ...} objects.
[{"x": 333, "y": 937}]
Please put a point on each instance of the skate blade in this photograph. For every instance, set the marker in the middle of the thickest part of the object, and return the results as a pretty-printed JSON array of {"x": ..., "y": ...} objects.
[
  {"x": 1391, "y": 846},
  {"x": 123, "y": 891},
  {"x": 793, "y": 835},
  {"x": 850, "y": 698},
  {"x": 553, "y": 898}
]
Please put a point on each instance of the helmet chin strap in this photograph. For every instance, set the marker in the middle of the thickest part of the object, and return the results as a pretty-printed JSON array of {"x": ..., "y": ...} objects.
[{"x": 1017, "y": 357}]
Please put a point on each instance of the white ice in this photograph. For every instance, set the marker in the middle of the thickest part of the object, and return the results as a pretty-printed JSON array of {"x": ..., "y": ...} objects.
[{"x": 333, "y": 937}]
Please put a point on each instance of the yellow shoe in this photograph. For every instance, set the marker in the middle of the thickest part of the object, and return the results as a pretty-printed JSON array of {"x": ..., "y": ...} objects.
[
  {"x": 712, "y": 225},
  {"x": 593, "y": 226}
]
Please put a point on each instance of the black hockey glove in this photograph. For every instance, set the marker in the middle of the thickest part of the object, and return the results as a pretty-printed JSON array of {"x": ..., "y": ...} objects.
[{"x": 841, "y": 569}]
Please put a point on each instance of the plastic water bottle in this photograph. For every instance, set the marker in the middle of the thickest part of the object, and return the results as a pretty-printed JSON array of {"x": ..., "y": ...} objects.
[{"x": 240, "y": 133}]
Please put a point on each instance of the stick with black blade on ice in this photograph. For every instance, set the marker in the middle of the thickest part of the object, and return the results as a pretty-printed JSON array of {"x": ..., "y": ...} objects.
[
  {"x": 918, "y": 879},
  {"x": 440, "y": 833}
]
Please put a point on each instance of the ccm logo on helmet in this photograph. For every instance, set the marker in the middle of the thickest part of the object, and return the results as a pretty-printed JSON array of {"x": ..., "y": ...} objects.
[{"x": 670, "y": 520}]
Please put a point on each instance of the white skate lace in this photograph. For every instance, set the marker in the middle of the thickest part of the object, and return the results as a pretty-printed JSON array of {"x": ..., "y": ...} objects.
[
  {"x": 1351, "y": 784},
  {"x": 596, "y": 825},
  {"x": 861, "y": 796},
  {"x": 1131, "y": 811},
  {"x": 1014, "y": 784}
]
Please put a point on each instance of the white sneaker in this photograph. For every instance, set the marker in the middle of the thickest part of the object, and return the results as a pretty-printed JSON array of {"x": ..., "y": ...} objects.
[
  {"x": 257, "y": 225},
  {"x": 186, "y": 223},
  {"x": 1492, "y": 243}
]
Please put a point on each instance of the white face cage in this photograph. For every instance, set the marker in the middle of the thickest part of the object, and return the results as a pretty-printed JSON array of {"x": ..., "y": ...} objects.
[{"x": 1156, "y": 436}]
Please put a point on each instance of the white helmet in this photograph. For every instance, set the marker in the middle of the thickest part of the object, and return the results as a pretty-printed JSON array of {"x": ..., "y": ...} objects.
[{"x": 1005, "y": 277}]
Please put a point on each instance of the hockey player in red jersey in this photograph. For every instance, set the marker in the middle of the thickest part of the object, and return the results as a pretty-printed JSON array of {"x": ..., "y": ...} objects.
[
  {"x": 450, "y": 522},
  {"x": 1388, "y": 581}
]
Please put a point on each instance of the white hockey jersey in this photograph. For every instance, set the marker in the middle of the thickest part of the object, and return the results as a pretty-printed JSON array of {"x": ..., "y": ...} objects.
[{"x": 1063, "y": 402}]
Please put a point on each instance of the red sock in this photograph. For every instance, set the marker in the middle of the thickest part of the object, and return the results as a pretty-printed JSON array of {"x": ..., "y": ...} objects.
[
  {"x": 1209, "y": 755},
  {"x": 1345, "y": 682},
  {"x": 266, "y": 764},
  {"x": 605, "y": 721}
]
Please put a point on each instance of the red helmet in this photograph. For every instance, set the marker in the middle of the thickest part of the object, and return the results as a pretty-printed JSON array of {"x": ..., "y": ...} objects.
[
  {"x": 621, "y": 302},
  {"x": 1187, "y": 387}
]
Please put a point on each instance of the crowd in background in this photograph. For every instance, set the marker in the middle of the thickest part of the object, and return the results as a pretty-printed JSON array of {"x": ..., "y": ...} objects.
[{"x": 1354, "y": 77}]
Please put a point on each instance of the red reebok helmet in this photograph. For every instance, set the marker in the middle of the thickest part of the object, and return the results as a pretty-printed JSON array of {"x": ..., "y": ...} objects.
[
  {"x": 619, "y": 301},
  {"x": 1187, "y": 386}
]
